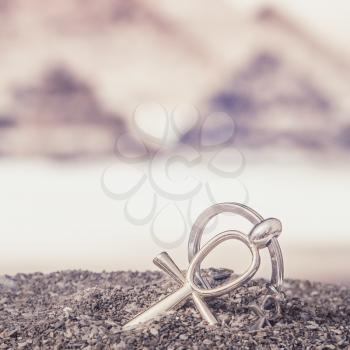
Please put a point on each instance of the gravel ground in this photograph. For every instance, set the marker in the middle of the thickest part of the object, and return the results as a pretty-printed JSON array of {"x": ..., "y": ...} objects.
[{"x": 85, "y": 310}]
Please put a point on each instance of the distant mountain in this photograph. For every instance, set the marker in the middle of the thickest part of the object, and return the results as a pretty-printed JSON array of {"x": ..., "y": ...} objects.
[
  {"x": 72, "y": 73},
  {"x": 59, "y": 117},
  {"x": 290, "y": 92},
  {"x": 273, "y": 104}
]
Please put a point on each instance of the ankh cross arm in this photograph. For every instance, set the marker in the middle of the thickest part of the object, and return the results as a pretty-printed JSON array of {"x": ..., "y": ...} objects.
[
  {"x": 167, "y": 264},
  {"x": 173, "y": 300}
]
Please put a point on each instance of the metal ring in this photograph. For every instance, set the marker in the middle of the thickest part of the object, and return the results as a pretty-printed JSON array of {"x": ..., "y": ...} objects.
[{"x": 251, "y": 215}]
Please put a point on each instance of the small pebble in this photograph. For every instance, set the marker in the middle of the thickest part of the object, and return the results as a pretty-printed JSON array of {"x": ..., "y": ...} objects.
[{"x": 153, "y": 331}]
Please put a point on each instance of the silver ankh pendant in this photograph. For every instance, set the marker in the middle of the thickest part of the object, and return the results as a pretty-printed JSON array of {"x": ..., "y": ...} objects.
[{"x": 263, "y": 234}]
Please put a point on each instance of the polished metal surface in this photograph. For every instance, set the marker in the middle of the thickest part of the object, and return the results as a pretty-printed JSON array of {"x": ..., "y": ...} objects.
[
  {"x": 263, "y": 234},
  {"x": 164, "y": 262},
  {"x": 187, "y": 287}
]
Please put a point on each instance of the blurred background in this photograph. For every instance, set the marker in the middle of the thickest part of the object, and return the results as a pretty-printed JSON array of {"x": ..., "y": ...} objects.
[{"x": 72, "y": 75}]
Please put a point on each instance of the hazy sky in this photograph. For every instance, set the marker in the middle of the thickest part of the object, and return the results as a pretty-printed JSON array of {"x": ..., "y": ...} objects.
[{"x": 330, "y": 19}]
